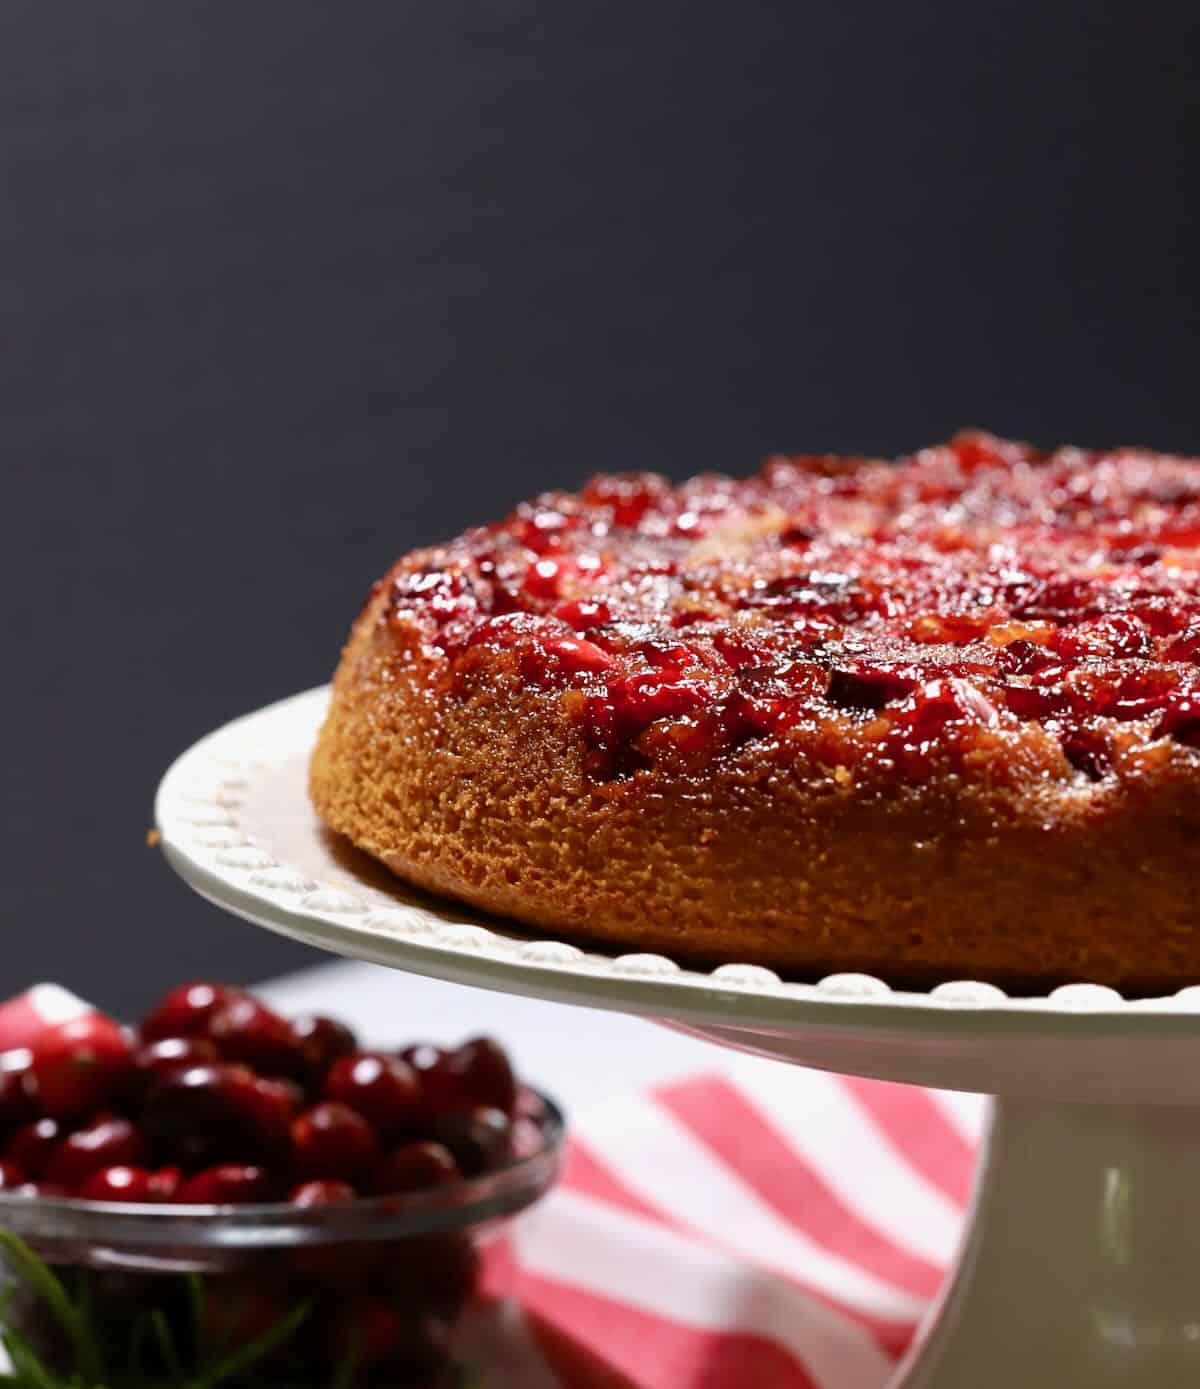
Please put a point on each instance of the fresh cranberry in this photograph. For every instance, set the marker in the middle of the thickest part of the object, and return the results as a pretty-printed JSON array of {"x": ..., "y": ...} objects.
[
  {"x": 479, "y": 1139},
  {"x": 105, "y": 1142},
  {"x": 81, "y": 1066},
  {"x": 483, "y": 1076},
  {"x": 321, "y": 1193},
  {"x": 155, "y": 1059},
  {"x": 230, "y": 1184},
  {"x": 185, "y": 1011},
  {"x": 241, "y": 1308},
  {"x": 414, "y": 1167},
  {"x": 382, "y": 1088},
  {"x": 371, "y": 1330},
  {"x": 323, "y": 1041},
  {"x": 32, "y": 1146},
  {"x": 16, "y": 1100},
  {"x": 117, "y": 1184},
  {"x": 164, "y": 1184},
  {"x": 333, "y": 1141},
  {"x": 247, "y": 1031},
  {"x": 277, "y": 1100},
  {"x": 11, "y": 1176},
  {"x": 434, "y": 1271},
  {"x": 208, "y": 1114},
  {"x": 45, "y": 1191}
]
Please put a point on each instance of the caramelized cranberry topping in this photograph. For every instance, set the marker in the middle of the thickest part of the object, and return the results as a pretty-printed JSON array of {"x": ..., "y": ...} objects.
[{"x": 851, "y": 612}]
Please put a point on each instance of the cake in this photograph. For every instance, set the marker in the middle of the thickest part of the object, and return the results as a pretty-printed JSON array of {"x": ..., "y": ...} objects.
[{"x": 929, "y": 719}]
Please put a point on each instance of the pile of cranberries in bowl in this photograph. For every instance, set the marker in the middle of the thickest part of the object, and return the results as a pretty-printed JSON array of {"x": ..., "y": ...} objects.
[{"x": 281, "y": 1160}]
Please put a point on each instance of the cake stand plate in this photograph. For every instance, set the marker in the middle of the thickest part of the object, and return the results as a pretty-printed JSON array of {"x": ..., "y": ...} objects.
[{"x": 1082, "y": 1261}]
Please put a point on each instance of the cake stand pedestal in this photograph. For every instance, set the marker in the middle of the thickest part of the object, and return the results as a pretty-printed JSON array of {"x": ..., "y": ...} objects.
[{"x": 1081, "y": 1263}]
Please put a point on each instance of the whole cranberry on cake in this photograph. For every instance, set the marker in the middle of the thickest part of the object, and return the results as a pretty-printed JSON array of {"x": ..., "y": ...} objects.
[{"x": 929, "y": 719}]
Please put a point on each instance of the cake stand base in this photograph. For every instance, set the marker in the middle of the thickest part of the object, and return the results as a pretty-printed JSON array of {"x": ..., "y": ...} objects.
[{"x": 1081, "y": 1265}]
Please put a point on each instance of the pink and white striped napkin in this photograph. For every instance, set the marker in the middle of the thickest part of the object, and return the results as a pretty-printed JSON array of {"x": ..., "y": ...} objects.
[{"x": 762, "y": 1226}]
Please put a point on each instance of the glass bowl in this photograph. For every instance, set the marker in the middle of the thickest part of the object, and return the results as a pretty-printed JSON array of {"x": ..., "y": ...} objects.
[{"x": 413, "y": 1259}]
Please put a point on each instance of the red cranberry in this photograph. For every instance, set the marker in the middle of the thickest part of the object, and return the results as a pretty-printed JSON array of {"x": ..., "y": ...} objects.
[
  {"x": 1088, "y": 751},
  {"x": 434, "y": 1271},
  {"x": 921, "y": 719},
  {"x": 16, "y": 1101},
  {"x": 248, "y": 1031},
  {"x": 11, "y": 1176},
  {"x": 483, "y": 1075},
  {"x": 1186, "y": 647},
  {"x": 414, "y": 1167},
  {"x": 630, "y": 495},
  {"x": 383, "y": 1089},
  {"x": 371, "y": 1330},
  {"x": 81, "y": 1066},
  {"x": 333, "y": 1141},
  {"x": 867, "y": 687},
  {"x": 323, "y": 1041},
  {"x": 277, "y": 1100},
  {"x": 563, "y": 658},
  {"x": 155, "y": 1059},
  {"x": 164, "y": 1184},
  {"x": 206, "y": 1114},
  {"x": 324, "y": 1193},
  {"x": 31, "y": 1147},
  {"x": 1182, "y": 722},
  {"x": 45, "y": 1191},
  {"x": 105, "y": 1142},
  {"x": 1116, "y": 635},
  {"x": 117, "y": 1184},
  {"x": 230, "y": 1184},
  {"x": 480, "y": 1139},
  {"x": 185, "y": 1011},
  {"x": 583, "y": 613},
  {"x": 1022, "y": 657},
  {"x": 240, "y": 1309}
]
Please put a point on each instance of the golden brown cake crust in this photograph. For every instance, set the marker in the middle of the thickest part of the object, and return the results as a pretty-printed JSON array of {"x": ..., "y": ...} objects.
[{"x": 995, "y": 855}]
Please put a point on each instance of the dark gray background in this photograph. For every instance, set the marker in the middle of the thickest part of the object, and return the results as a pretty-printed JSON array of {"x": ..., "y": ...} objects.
[{"x": 287, "y": 289}]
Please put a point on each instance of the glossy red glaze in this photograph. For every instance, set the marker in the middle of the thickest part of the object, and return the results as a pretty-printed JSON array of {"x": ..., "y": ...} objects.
[{"x": 677, "y": 623}]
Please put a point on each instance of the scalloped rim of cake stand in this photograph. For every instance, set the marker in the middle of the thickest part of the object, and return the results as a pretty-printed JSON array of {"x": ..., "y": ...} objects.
[{"x": 235, "y": 822}]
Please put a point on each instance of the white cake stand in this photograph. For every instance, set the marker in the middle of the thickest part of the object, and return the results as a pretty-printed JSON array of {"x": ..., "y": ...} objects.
[{"x": 1082, "y": 1262}]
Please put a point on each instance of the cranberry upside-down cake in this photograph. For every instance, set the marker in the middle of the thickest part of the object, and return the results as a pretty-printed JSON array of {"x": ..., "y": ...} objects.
[{"x": 929, "y": 719}]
